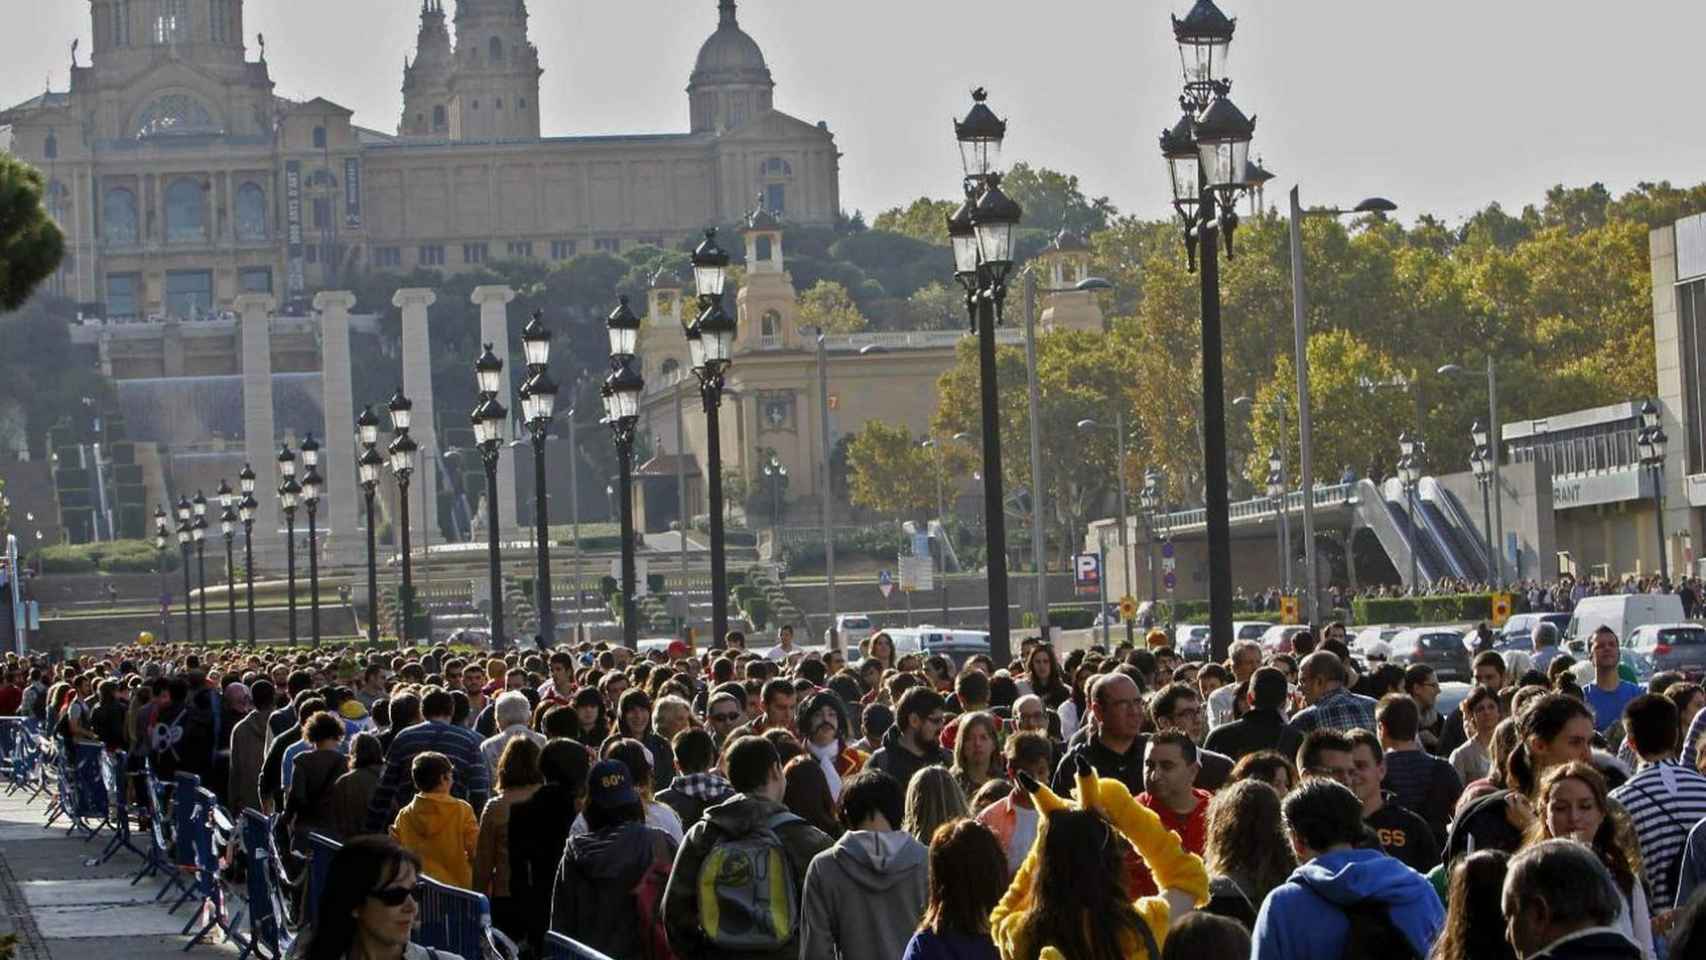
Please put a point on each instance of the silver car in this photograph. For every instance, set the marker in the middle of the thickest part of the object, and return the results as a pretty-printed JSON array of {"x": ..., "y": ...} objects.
[{"x": 1669, "y": 646}]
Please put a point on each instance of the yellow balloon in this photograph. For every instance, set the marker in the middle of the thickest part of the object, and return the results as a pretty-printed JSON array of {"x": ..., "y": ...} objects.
[{"x": 145, "y": 639}]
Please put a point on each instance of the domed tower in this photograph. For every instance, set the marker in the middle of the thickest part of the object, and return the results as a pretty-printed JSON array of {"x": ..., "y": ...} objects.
[
  {"x": 767, "y": 301},
  {"x": 495, "y": 89},
  {"x": 731, "y": 84},
  {"x": 426, "y": 81}
]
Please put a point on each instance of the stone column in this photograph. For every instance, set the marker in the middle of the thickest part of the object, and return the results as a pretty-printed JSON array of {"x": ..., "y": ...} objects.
[
  {"x": 417, "y": 385},
  {"x": 343, "y": 491},
  {"x": 259, "y": 426},
  {"x": 494, "y": 329}
]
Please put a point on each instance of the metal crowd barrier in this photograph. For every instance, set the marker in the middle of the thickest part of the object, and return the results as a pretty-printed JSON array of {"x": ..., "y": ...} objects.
[
  {"x": 559, "y": 947},
  {"x": 459, "y": 921}
]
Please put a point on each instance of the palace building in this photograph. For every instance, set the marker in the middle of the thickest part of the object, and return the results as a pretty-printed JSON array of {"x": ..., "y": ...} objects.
[{"x": 182, "y": 181}]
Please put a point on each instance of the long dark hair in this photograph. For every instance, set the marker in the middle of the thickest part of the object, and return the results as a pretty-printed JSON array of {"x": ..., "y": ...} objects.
[
  {"x": 1544, "y": 718},
  {"x": 363, "y": 865},
  {"x": 1246, "y": 837},
  {"x": 1605, "y": 840},
  {"x": 968, "y": 875},
  {"x": 1474, "y": 925},
  {"x": 1055, "y": 691},
  {"x": 1078, "y": 904}
]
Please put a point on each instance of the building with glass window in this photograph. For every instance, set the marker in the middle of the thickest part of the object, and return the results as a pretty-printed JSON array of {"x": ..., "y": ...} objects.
[{"x": 182, "y": 181}]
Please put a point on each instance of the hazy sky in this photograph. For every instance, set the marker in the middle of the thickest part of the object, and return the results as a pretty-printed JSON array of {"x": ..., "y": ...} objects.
[{"x": 1442, "y": 106}]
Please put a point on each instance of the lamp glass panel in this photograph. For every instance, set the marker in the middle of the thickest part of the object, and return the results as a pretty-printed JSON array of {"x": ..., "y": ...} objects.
[
  {"x": 708, "y": 280},
  {"x": 995, "y": 242},
  {"x": 623, "y": 341}
]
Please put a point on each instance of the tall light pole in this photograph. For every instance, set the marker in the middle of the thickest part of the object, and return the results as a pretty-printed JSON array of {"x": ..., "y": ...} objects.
[
  {"x": 710, "y": 350},
  {"x": 981, "y": 233},
  {"x": 246, "y": 508},
  {"x": 1276, "y": 493},
  {"x": 1488, "y": 440},
  {"x": 228, "y": 529},
  {"x": 160, "y": 566},
  {"x": 1208, "y": 158},
  {"x": 1410, "y": 474},
  {"x": 776, "y": 472},
  {"x": 198, "y": 532},
  {"x": 368, "y": 467},
  {"x": 184, "y": 526},
  {"x": 1481, "y": 465},
  {"x": 1150, "y": 499},
  {"x": 538, "y": 404},
  {"x": 828, "y": 493},
  {"x": 1651, "y": 446},
  {"x": 401, "y": 452},
  {"x": 621, "y": 392},
  {"x": 488, "y": 419},
  {"x": 313, "y": 485},
  {"x": 289, "y": 493},
  {"x": 1126, "y": 559}
]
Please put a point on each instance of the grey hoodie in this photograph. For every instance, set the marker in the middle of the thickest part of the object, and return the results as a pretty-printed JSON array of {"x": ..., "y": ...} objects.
[{"x": 864, "y": 896}]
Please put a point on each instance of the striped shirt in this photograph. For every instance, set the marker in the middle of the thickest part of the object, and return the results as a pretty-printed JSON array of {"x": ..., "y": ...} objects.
[{"x": 1665, "y": 800}]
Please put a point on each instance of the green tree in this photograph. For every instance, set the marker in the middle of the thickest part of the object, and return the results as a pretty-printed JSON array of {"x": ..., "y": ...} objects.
[
  {"x": 828, "y": 306},
  {"x": 31, "y": 244},
  {"x": 892, "y": 473},
  {"x": 935, "y": 307},
  {"x": 1053, "y": 200},
  {"x": 922, "y": 219}
]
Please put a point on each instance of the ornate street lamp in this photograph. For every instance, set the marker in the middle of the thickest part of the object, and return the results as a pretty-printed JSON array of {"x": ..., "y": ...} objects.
[
  {"x": 289, "y": 492},
  {"x": 621, "y": 392},
  {"x": 710, "y": 350},
  {"x": 160, "y": 532},
  {"x": 1205, "y": 194},
  {"x": 981, "y": 233},
  {"x": 1481, "y": 465},
  {"x": 488, "y": 420},
  {"x": 1282, "y": 520},
  {"x": 538, "y": 406},
  {"x": 313, "y": 486},
  {"x": 1650, "y": 442},
  {"x": 777, "y": 473},
  {"x": 227, "y": 527},
  {"x": 246, "y": 513},
  {"x": 368, "y": 468},
  {"x": 184, "y": 527},
  {"x": 1409, "y": 476},
  {"x": 1150, "y": 500},
  {"x": 401, "y": 452},
  {"x": 198, "y": 534}
]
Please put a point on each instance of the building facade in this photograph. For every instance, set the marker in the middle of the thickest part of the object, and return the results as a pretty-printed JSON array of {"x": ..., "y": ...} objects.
[{"x": 182, "y": 181}]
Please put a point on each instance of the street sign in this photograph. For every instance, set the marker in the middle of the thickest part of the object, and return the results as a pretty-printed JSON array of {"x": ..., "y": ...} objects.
[
  {"x": 1128, "y": 608},
  {"x": 917, "y": 573},
  {"x": 1167, "y": 549},
  {"x": 1168, "y": 564},
  {"x": 1087, "y": 574},
  {"x": 1288, "y": 610},
  {"x": 1501, "y": 611},
  {"x": 885, "y": 583},
  {"x": 921, "y": 544},
  {"x": 1169, "y": 581}
]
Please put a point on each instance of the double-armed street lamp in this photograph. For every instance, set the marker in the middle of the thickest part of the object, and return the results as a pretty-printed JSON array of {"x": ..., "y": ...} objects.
[
  {"x": 246, "y": 508},
  {"x": 488, "y": 419},
  {"x": 1150, "y": 500},
  {"x": 313, "y": 487},
  {"x": 185, "y": 526},
  {"x": 710, "y": 351},
  {"x": 198, "y": 533},
  {"x": 1481, "y": 465},
  {"x": 1410, "y": 450},
  {"x": 621, "y": 392},
  {"x": 401, "y": 452},
  {"x": 1282, "y": 521},
  {"x": 289, "y": 495},
  {"x": 368, "y": 467},
  {"x": 160, "y": 533},
  {"x": 1650, "y": 443},
  {"x": 538, "y": 406},
  {"x": 228, "y": 530},
  {"x": 981, "y": 233}
]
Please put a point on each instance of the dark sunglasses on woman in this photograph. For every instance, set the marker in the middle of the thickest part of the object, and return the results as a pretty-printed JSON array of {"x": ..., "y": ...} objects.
[{"x": 394, "y": 896}]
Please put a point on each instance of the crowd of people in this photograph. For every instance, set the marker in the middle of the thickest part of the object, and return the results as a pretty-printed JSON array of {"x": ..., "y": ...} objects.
[{"x": 784, "y": 802}]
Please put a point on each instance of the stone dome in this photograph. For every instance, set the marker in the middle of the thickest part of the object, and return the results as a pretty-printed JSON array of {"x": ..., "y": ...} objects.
[{"x": 730, "y": 55}]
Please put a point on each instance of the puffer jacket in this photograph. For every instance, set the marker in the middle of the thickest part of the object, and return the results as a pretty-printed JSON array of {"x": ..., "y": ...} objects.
[{"x": 593, "y": 901}]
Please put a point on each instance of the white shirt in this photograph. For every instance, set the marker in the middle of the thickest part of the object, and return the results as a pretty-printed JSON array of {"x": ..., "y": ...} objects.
[
  {"x": 1025, "y": 822},
  {"x": 826, "y": 759},
  {"x": 657, "y": 815}
]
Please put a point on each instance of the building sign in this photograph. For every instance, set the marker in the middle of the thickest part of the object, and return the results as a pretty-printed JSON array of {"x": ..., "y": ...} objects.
[
  {"x": 1593, "y": 489},
  {"x": 1087, "y": 574},
  {"x": 1691, "y": 247},
  {"x": 352, "y": 192},
  {"x": 295, "y": 283}
]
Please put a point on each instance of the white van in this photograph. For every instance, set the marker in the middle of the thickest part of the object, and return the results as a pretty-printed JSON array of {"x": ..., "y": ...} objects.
[
  {"x": 1622, "y": 613},
  {"x": 851, "y": 628}
]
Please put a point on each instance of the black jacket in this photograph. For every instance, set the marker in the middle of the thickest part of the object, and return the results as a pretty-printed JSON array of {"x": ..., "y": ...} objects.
[
  {"x": 593, "y": 901},
  {"x": 901, "y": 763},
  {"x": 1255, "y": 730},
  {"x": 538, "y": 833},
  {"x": 1127, "y": 768},
  {"x": 1602, "y": 945}
]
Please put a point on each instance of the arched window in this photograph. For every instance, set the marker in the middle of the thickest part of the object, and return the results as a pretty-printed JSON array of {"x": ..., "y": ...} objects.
[
  {"x": 175, "y": 114},
  {"x": 186, "y": 212},
  {"x": 495, "y": 50},
  {"x": 775, "y": 167},
  {"x": 438, "y": 118},
  {"x": 50, "y": 149},
  {"x": 251, "y": 212},
  {"x": 420, "y": 122},
  {"x": 319, "y": 138},
  {"x": 771, "y": 324},
  {"x": 500, "y": 103},
  {"x": 762, "y": 248},
  {"x": 523, "y": 104},
  {"x": 58, "y": 201},
  {"x": 118, "y": 217},
  {"x": 476, "y": 105}
]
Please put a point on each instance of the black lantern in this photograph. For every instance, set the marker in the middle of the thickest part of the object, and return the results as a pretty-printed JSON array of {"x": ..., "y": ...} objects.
[
  {"x": 246, "y": 480},
  {"x": 246, "y": 509},
  {"x": 624, "y": 327},
  {"x": 621, "y": 394},
  {"x": 310, "y": 452},
  {"x": 369, "y": 465},
  {"x": 402, "y": 411},
  {"x": 995, "y": 218},
  {"x": 980, "y": 135},
  {"x": 1223, "y": 134},
  {"x": 488, "y": 422},
  {"x": 536, "y": 341},
  {"x": 1478, "y": 435},
  {"x": 963, "y": 237},
  {"x": 286, "y": 462},
  {"x": 710, "y": 266},
  {"x": 488, "y": 372},
  {"x": 402, "y": 453},
  {"x": 200, "y": 503},
  {"x": 538, "y": 398},
  {"x": 1204, "y": 35},
  {"x": 367, "y": 426},
  {"x": 183, "y": 509},
  {"x": 716, "y": 330},
  {"x": 224, "y": 493}
]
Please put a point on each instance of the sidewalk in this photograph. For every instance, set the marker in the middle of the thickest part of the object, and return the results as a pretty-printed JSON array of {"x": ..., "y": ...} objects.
[{"x": 62, "y": 909}]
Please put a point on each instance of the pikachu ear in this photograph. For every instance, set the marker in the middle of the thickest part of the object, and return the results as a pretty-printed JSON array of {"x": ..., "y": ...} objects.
[{"x": 1085, "y": 776}]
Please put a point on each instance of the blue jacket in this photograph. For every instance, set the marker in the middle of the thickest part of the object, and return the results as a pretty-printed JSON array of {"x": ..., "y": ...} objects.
[{"x": 1303, "y": 919}]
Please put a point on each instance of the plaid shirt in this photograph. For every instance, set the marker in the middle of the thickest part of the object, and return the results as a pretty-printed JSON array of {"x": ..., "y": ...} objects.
[{"x": 1339, "y": 710}]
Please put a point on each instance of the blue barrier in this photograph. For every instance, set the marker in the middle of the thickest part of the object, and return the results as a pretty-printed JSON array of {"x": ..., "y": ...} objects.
[
  {"x": 269, "y": 936},
  {"x": 116, "y": 780},
  {"x": 85, "y": 798},
  {"x": 15, "y": 766},
  {"x": 160, "y": 860},
  {"x": 559, "y": 947},
  {"x": 321, "y": 849},
  {"x": 452, "y": 919}
]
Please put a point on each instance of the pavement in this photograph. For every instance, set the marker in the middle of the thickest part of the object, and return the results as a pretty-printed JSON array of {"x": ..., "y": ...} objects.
[{"x": 62, "y": 906}]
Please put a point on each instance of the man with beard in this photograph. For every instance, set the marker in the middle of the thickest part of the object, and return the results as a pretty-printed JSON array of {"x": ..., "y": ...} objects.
[
  {"x": 912, "y": 743},
  {"x": 822, "y": 722}
]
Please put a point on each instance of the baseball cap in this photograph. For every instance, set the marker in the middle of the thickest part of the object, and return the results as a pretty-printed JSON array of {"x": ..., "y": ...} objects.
[
  {"x": 679, "y": 648},
  {"x": 609, "y": 786}
]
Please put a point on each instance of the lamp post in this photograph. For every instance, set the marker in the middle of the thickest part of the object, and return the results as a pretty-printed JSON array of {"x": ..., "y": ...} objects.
[
  {"x": 777, "y": 473},
  {"x": 1208, "y": 158},
  {"x": 488, "y": 420},
  {"x": 1282, "y": 532},
  {"x": 1651, "y": 443},
  {"x": 160, "y": 566},
  {"x": 1487, "y": 438},
  {"x": 183, "y": 512},
  {"x": 1126, "y": 559},
  {"x": 710, "y": 350},
  {"x": 1410, "y": 474},
  {"x": 1482, "y": 466},
  {"x": 538, "y": 404},
  {"x": 368, "y": 468},
  {"x": 621, "y": 394},
  {"x": 289, "y": 495},
  {"x": 401, "y": 452},
  {"x": 246, "y": 513},
  {"x": 1150, "y": 500},
  {"x": 198, "y": 533},
  {"x": 312, "y": 487},
  {"x": 981, "y": 233},
  {"x": 228, "y": 529}
]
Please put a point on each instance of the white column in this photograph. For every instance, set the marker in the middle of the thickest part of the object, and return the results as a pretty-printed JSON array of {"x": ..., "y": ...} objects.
[
  {"x": 417, "y": 385},
  {"x": 259, "y": 426},
  {"x": 337, "y": 401},
  {"x": 494, "y": 329}
]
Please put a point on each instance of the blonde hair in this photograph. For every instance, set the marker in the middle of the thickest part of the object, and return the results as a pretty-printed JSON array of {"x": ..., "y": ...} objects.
[{"x": 933, "y": 798}]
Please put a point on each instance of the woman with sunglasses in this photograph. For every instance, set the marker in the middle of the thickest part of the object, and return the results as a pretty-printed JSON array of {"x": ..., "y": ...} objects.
[{"x": 368, "y": 908}]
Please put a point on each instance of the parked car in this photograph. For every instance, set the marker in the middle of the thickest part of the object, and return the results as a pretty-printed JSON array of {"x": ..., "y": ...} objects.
[
  {"x": 1438, "y": 647},
  {"x": 1277, "y": 638},
  {"x": 852, "y": 628},
  {"x": 1249, "y": 629},
  {"x": 1623, "y": 613},
  {"x": 1670, "y": 646},
  {"x": 1369, "y": 635},
  {"x": 957, "y": 645},
  {"x": 1518, "y": 631},
  {"x": 1191, "y": 640}
]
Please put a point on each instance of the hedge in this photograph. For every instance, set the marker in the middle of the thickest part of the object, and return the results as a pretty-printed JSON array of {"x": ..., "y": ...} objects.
[
  {"x": 112, "y": 556},
  {"x": 1434, "y": 609}
]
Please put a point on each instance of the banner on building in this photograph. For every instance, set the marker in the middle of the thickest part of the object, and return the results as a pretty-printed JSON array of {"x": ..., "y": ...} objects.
[
  {"x": 295, "y": 283},
  {"x": 352, "y": 192}
]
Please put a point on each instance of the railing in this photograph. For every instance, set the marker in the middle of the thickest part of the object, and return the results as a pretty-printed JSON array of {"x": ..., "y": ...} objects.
[
  {"x": 913, "y": 339},
  {"x": 1259, "y": 508}
]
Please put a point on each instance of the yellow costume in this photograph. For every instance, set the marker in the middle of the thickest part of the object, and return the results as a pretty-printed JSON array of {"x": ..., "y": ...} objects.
[{"x": 1168, "y": 861}]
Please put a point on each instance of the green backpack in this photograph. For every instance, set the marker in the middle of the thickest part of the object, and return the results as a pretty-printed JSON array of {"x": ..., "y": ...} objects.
[{"x": 748, "y": 894}]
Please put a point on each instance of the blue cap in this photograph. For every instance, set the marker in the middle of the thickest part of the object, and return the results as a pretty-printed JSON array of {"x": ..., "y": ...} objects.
[{"x": 609, "y": 786}]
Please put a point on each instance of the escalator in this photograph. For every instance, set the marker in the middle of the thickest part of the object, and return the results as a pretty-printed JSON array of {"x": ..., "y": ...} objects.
[
  {"x": 1391, "y": 526},
  {"x": 1448, "y": 518},
  {"x": 1432, "y": 559}
]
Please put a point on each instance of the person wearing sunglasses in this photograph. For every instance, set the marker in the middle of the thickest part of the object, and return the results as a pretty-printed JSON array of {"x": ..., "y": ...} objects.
[{"x": 369, "y": 905}]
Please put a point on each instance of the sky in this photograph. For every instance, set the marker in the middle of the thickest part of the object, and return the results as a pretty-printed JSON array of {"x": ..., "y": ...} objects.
[{"x": 1442, "y": 107}]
